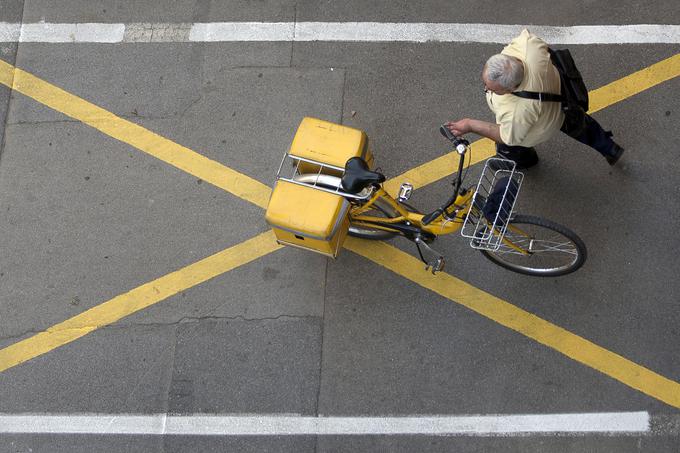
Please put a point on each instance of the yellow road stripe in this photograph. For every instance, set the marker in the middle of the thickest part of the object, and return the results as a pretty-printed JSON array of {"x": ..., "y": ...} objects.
[
  {"x": 633, "y": 84},
  {"x": 441, "y": 167},
  {"x": 143, "y": 139},
  {"x": 6, "y": 77},
  {"x": 512, "y": 317},
  {"x": 600, "y": 98},
  {"x": 138, "y": 299}
]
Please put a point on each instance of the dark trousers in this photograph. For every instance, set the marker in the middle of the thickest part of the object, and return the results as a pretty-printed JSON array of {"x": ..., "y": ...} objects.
[{"x": 592, "y": 135}]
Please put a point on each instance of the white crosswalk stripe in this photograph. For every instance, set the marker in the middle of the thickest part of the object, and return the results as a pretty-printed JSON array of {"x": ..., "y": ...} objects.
[
  {"x": 472, "y": 425},
  {"x": 332, "y": 31}
]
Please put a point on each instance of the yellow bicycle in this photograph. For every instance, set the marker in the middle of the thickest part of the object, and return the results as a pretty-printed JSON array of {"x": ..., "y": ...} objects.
[{"x": 483, "y": 213}]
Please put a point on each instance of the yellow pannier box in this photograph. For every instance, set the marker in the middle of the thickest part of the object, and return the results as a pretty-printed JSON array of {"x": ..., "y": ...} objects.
[
  {"x": 329, "y": 143},
  {"x": 307, "y": 217}
]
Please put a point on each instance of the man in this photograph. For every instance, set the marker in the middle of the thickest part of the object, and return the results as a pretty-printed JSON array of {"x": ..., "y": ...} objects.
[{"x": 521, "y": 123}]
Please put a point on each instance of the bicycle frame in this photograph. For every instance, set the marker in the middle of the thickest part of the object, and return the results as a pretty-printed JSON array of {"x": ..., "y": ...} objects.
[{"x": 444, "y": 224}]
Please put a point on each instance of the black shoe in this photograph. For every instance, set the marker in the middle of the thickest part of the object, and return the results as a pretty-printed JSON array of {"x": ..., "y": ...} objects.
[
  {"x": 617, "y": 152},
  {"x": 524, "y": 157}
]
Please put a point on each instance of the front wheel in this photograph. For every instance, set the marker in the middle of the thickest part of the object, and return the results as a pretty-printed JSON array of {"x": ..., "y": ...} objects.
[{"x": 547, "y": 248}]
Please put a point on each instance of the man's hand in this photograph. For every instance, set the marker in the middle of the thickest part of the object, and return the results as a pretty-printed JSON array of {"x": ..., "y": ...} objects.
[
  {"x": 488, "y": 130},
  {"x": 459, "y": 127}
]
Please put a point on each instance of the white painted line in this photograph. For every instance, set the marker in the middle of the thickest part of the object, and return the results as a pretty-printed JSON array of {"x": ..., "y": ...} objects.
[
  {"x": 9, "y": 32},
  {"x": 609, "y": 34},
  {"x": 242, "y": 31},
  {"x": 408, "y": 32},
  {"x": 286, "y": 425},
  {"x": 437, "y": 32},
  {"x": 333, "y": 31},
  {"x": 63, "y": 33}
]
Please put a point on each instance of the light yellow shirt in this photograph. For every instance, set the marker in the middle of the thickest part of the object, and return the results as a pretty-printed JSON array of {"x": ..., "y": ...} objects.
[{"x": 528, "y": 122}]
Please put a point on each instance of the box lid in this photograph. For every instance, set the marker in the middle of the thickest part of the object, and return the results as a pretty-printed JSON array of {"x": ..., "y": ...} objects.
[
  {"x": 327, "y": 142},
  {"x": 306, "y": 211}
]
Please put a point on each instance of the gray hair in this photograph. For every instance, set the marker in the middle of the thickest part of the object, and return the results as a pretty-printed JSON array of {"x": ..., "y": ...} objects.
[{"x": 508, "y": 72}]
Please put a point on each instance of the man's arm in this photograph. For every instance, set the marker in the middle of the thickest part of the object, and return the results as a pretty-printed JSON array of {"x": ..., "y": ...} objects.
[{"x": 483, "y": 128}]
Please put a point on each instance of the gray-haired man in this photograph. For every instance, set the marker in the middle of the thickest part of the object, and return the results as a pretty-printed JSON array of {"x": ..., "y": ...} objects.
[{"x": 521, "y": 123}]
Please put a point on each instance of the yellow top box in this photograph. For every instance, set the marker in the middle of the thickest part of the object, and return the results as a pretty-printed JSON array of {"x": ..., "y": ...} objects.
[
  {"x": 305, "y": 211},
  {"x": 329, "y": 143}
]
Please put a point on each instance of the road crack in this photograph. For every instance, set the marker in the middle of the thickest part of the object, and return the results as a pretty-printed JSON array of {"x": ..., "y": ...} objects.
[{"x": 182, "y": 320}]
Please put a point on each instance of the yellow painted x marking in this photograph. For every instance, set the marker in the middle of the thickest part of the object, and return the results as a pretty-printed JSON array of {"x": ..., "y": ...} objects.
[{"x": 502, "y": 312}]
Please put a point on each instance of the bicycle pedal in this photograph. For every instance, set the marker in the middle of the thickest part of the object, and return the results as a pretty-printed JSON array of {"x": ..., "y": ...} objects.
[
  {"x": 405, "y": 192},
  {"x": 437, "y": 266}
]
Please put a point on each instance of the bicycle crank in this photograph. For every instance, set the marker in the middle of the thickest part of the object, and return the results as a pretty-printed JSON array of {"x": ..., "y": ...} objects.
[{"x": 437, "y": 264}]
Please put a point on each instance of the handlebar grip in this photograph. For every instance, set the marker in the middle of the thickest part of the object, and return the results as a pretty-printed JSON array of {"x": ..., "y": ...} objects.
[
  {"x": 447, "y": 133},
  {"x": 431, "y": 216},
  {"x": 457, "y": 141}
]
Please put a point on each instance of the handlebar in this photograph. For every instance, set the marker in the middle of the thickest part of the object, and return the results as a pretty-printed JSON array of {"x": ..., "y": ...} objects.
[
  {"x": 461, "y": 147},
  {"x": 459, "y": 142}
]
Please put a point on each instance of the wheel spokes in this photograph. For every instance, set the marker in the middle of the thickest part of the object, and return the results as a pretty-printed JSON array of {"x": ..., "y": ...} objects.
[{"x": 532, "y": 245}]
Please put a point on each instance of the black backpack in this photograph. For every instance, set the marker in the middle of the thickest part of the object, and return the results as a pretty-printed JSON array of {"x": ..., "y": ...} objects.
[{"x": 574, "y": 94}]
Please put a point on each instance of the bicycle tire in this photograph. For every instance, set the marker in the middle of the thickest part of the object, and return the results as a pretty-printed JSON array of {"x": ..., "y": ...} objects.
[
  {"x": 532, "y": 265},
  {"x": 333, "y": 182}
]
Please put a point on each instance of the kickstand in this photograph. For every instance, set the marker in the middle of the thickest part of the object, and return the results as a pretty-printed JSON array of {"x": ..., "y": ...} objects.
[{"x": 437, "y": 264}]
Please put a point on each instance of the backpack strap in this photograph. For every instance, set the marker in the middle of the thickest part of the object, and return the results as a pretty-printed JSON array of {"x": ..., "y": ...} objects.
[{"x": 542, "y": 97}]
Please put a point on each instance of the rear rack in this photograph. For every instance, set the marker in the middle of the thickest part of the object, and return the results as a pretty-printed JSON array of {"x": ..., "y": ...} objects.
[
  {"x": 492, "y": 204},
  {"x": 317, "y": 175}
]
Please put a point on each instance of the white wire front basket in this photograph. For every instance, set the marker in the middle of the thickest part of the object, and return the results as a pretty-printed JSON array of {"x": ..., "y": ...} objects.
[
  {"x": 492, "y": 204},
  {"x": 316, "y": 175}
]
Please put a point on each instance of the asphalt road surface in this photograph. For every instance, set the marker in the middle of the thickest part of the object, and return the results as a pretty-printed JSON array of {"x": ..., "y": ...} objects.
[{"x": 145, "y": 307}]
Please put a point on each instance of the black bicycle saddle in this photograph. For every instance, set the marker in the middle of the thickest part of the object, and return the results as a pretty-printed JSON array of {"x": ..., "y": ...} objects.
[{"x": 357, "y": 176}]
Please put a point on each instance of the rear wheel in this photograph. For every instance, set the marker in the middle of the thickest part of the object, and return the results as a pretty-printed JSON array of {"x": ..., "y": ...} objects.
[
  {"x": 554, "y": 250},
  {"x": 381, "y": 209}
]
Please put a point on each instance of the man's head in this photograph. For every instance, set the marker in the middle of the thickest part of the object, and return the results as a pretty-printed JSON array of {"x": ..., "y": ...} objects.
[{"x": 502, "y": 74}]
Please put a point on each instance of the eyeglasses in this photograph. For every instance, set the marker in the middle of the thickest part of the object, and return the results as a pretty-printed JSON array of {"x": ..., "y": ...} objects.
[{"x": 489, "y": 90}]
